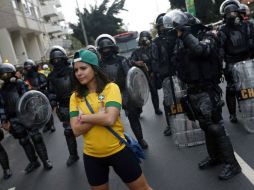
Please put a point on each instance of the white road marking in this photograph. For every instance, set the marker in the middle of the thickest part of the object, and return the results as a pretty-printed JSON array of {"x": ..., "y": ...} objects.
[
  {"x": 246, "y": 169},
  {"x": 13, "y": 188}
]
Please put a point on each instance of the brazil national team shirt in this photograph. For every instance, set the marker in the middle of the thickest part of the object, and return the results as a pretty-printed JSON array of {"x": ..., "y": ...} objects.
[{"x": 99, "y": 141}]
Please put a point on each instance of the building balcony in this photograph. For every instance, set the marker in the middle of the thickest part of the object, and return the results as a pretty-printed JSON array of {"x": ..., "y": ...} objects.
[
  {"x": 51, "y": 28},
  {"x": 58, "y": 18},
  {"x": 57, "y": 3},
  {"x": 48, "y": 10}
]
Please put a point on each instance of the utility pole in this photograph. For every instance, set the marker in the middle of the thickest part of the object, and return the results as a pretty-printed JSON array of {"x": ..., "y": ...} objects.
[{"x": 82, "y": 24}]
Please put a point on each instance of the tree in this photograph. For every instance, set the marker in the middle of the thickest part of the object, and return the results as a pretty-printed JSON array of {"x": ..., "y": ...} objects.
[
  {"x": 207, "y": 11},
  {"x": 100, "y": 19}
]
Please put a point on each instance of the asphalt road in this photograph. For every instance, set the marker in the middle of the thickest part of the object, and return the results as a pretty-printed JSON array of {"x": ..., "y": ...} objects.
[{"x": 167, "y": 166}]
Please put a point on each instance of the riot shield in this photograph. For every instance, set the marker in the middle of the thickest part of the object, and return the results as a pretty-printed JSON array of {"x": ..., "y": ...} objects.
[
  {"x": 137, "y": 86},
  {"x": 243, "y": 73},
  {"x": 185, "y": 132},
  {"x": 33, "y": 109}
]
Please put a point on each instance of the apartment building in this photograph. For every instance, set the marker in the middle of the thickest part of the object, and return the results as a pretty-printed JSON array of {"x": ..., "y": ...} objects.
[{"x": 28, "y": 28}]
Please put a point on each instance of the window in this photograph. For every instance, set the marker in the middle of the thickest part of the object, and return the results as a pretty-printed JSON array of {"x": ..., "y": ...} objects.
[
  {"x": 25, "y": 7},
  {"x": 30, "y": 9}
]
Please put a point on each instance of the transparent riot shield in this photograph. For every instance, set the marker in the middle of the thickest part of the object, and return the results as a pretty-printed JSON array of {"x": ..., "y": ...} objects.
[
  {"x": 137, "y": 86},
  {"x": 185, "y": 132},
  {"x": 243, "y": 73},
  {"x": 33, "y": 109}
]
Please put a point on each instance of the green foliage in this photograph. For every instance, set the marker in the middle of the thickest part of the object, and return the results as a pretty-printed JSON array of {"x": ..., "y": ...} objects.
[
  {"x": 100, "y": 19},
  {"x": 177, "y": 4},
  {"x": 75, "y": 43},
  {"x": 206, "y": 10}
]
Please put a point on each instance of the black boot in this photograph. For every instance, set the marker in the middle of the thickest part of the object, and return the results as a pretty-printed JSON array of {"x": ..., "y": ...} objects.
[
  {"x": 158, "y": 111},
  {"x": 72, "y": 147},
  {"x": 233, "y": 118},
  {"x": 47, "y": 165},
  {"x": 7, "y": 174},
  {"x": 32, "y": 166},
  {"x": 214, "y": 157},
  {"x": 231, "y": 167},
  {"x": 167, "y": 131},
  {"x": 229, "y": 171},
  {"x": 52, "y": 128},
  {"x": 30, "y": 153},
  {"x": 4, "y": 161},
  {"x": 45, "y": 128},
  {"x": 41, "y": 150},
  {"x": 72, "y": 159},
  {"x": 208, "y": 162},
  {"x": 143, "y": 143}
]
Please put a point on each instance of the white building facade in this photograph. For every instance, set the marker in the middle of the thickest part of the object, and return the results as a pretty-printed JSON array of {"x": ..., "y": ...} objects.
[{"x": 28, "y": 28}]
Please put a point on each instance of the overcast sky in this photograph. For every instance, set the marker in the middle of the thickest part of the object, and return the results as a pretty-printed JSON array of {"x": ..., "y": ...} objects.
[{"x": 140, "y": 14}]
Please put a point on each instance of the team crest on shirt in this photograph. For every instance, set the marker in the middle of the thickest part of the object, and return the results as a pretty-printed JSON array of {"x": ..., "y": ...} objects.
[{"x": 101, "y": 97}]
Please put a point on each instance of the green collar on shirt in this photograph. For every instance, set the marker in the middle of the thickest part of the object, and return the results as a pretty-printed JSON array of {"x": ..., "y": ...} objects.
[{"x": 84, "y": 92}]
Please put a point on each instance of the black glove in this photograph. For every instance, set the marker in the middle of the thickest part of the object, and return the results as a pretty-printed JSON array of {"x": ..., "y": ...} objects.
[{"x": 184, "y": 29}]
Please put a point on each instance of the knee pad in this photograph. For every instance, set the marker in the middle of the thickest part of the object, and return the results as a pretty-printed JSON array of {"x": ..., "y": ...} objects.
[
  {"x": 216, "y": 130},
  {"x": 36, "y": 138}
]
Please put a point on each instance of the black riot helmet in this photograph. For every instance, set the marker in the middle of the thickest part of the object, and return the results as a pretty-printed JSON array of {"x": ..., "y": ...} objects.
[
  {"x": 159, "y": 20},
  {"x": 192, "y": 19},
  {"x": 174, "y": 19},
  {"x": 106, "y": 45},
  {"x": 244, "y": 9},
  {"x": 145, "y": 34},
  {"x": 7, "y": 71},
  {"x": 229, "y": 6},
  {"x": 195, "y": 24},
  {"x": 105, "y": 41},
  {"x": 145, "y": 38},
  {"x": 57, "y": 54},
  {"x": 7, "y": 68},
  {"x": 29, "y": 65}
]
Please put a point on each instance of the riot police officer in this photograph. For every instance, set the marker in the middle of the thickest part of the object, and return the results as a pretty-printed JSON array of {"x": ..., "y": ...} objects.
[
  {"x": 37, "y": 81},
  {"x": 60, "y": 86},
  {"x": 198, "y": 65},
  {"x": 141, "y": 57},
  {"x": 10, "y": 93},
  {"x": 236, "y": 38},
  {"x": 116, "y": 68},
  {"x": 244, "y": 11},
  {"x": 4, "y": 160},
  {"x": 162, "y": 49}
]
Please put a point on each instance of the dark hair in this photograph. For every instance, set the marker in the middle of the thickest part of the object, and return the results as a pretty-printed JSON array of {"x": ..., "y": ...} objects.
[{"x": 101, "y": 79}]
